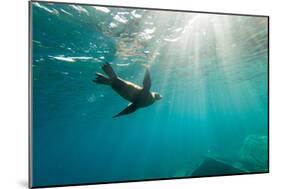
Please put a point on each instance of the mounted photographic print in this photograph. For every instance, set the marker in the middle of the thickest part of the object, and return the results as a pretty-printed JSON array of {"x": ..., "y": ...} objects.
[{"x": 120, "y": 94}]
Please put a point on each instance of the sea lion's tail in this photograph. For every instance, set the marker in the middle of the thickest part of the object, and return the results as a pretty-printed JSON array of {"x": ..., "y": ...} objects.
[
  {"x": 109, "y": 71},
  {"x": 101, "y": 79}
]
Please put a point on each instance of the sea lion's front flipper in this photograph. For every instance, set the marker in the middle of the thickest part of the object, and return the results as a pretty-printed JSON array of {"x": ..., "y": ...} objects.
[
  {"x": 146, "y": 81},
  {"x": 129, "y": 109}
]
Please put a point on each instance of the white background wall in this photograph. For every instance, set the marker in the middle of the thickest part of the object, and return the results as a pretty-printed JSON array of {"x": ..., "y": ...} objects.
[{"x": 14, "y": 93}]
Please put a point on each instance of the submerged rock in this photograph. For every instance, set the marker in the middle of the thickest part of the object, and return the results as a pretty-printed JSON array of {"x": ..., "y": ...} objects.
[
  {"x": 212, "y": 167},
  {"x": 254, "y": 153},
  {"x": 185, "y": 170}
]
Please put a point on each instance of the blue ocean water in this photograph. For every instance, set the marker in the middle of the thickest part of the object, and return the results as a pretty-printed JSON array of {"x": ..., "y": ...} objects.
[{"x": 212, "y": 71}]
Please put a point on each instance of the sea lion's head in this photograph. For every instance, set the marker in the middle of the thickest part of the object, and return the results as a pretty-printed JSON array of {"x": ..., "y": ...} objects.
[{"x": 156, "y": 96}]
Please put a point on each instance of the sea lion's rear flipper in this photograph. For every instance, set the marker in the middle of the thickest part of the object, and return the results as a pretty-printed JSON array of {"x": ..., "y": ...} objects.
[
  {"x": 129, "y": 109},
  {"x": 146, "y": 81},
  {"x": 101, "y": 79},
  {"x": 109, "y": 70}
]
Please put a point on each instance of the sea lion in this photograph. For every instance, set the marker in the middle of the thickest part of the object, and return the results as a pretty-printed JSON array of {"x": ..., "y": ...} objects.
[{"x": 138, "y": 96}]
